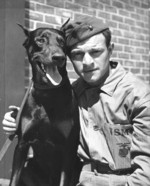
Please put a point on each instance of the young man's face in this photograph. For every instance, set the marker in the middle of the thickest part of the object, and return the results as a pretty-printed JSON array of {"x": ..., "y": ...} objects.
[{"x": 90, "y": 59}]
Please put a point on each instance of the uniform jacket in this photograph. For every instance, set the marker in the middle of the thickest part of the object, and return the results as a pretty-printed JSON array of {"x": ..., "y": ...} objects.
[{"x": 115, "y": 123}]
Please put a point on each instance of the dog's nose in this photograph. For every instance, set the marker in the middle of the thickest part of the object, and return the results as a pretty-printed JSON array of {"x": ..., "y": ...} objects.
[{"x": 59, "y": 57}]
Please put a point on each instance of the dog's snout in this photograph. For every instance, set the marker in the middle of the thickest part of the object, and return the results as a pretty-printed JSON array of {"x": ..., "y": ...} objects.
[{"x": 59, "y": 57}]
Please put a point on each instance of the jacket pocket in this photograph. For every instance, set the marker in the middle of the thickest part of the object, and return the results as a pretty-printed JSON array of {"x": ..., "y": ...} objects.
[{"x": 118, "y": 138}]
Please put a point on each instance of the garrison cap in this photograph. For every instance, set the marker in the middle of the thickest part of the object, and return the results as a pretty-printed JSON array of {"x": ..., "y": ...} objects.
[{"x": 81, "y": 29}]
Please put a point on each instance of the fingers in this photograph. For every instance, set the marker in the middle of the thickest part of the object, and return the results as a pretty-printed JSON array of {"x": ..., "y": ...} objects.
[
  {"x": 13, "y": 108},
  {"x": 15, "y": 111},
  {"x": 8, "y": 117},
  {"x": 9, "y": 125}
]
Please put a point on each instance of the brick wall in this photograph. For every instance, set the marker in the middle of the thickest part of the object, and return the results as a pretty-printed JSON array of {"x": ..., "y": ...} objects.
[{"x": 128, "y": 20}]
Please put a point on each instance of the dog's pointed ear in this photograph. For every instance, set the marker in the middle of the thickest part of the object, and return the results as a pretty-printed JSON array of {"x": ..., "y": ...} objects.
[
  {"x": 62, "y": 27},
  {"x": 27, "y": 32}
]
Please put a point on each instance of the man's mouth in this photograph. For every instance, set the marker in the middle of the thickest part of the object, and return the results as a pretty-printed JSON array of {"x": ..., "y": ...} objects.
[
  {"x": 89, "y": 70},
  {"x": 51, "y": 72}
]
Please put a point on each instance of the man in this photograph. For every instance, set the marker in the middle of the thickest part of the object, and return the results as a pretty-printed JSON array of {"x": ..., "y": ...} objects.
[{"x": 114, "y": 108}]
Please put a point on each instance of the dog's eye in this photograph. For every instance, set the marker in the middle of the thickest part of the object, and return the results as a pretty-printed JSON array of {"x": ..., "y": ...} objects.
[{"x": 40, "y": 41}]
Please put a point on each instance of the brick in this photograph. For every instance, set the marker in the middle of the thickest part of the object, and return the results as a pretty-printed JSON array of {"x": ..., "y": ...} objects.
[
  {"x": 129, "y": 63},
  {"x": 135, "y": 70},
  {"x": 129, "y": 8},
  {"x": 117, "y": 18},
  {"x": 147, "y": 65},
  {"x": 140, "y": 37},
  {"x": 82, "y": 2},
  {"x": 117, "y": 32},
  {"x": 44, "y": 9},
  {"x": 145, "y": 31},
  {"x": 96, "y": 5},
  {"x": 123, "y": 55},
  {"x": 30, "y": 5},
  {"x": 144, "y": 5},
  {"x": 64, "y": 13},
  {"x": 144, "y": 18},
  {"x": 33, "y": 16},
  {"x": 135, "y": 16},
  {"x": 148, "y": 79},
  {"x": 29, "y": 24},
  {"x": 104, "y": 15},
  {"x": 139, "y": 50},
  {"x": 124, "y": 13},
  {"x": 140, "y": 11},
  {"x": 140, "y": 24},
  {"x": 135, "y": 56},
  {"x": 146, "y": 25},
  {"x": 39, "y": 1},
  {"x": 129, "y": 21},
  {"x": 56, "y": 3},
  {"x": 127, "y": 68},
  {"x": 140, "y": 64},
  {"x": 53, "y": 19},
  {"x": 126, "y": 1},
  {"x": 129, "y": 34},
  {"x": 77, "y": 16},
  {"x": 111, "y": 23},
  {"x": 118, "y": 47},
  {"x": 114, "y": 39},
  {"x": 105, "y": 1},
  {"x": 135, "y": 43},
  {"x": 123, "y": 41},
  {"x": 118, "y": 4},
  {"x": 136, "y": 3},
  {"x": 135, "y": 29},
  {"x": 145, "y": 71},
  {"x": 114, "y": 54},
  {"x": 110, "y": 9},
  {"x": 73, "y": 7},
  {"x": 45, "y": 25},
  {"x": 129, "y": 49},
  {"x": 89, "y": 11},
  {"x": 145, "y": 44},
  {"x": 145, "y": 57},
  {"x": 124, "y": 26},
  {"x": 141, "y": 77}
]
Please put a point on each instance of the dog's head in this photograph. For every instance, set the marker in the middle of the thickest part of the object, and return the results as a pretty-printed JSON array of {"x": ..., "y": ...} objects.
[{"x": 46, "y": 52}]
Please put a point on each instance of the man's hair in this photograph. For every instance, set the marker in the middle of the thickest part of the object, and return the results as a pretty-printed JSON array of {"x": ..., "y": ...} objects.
[{"x": 107, "y": 35}]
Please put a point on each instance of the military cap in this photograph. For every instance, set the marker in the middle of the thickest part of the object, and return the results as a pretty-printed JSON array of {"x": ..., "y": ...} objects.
[{"x": 82, "y": 29}]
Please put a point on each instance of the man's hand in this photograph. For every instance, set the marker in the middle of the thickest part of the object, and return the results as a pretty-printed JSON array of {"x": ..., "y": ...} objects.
[{"x": 9, "y": 125}]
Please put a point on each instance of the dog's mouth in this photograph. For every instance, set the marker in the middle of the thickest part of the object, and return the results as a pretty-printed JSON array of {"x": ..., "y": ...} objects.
[{"x": 51, "y": 73}]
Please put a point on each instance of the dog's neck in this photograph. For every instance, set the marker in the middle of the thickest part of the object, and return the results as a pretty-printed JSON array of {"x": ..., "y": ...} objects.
[{"x": 45, "y": 86}]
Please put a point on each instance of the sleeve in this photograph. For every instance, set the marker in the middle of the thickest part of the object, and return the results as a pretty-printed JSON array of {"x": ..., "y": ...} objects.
[{"x": 140, "y": 145}]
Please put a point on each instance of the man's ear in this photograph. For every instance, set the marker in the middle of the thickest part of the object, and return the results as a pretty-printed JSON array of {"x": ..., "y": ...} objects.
[
  {"x": 111, "y": 48},
  {"x": 27, "y": 32}
]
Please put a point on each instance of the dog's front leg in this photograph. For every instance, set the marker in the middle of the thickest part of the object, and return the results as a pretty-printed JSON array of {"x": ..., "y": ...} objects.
[
  {"x": 66, "y": 170},
  {"x": 20, "y": 156}
]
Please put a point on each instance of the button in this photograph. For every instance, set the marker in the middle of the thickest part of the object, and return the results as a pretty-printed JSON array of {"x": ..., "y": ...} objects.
[{"x": 90, "y": 27}]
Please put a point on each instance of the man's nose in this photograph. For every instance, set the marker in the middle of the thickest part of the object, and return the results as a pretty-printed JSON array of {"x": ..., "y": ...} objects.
[{"x": 87, "y": 59}]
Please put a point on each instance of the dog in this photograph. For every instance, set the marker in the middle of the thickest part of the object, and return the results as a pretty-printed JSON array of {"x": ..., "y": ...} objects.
[{"x": 49, "y": 120}]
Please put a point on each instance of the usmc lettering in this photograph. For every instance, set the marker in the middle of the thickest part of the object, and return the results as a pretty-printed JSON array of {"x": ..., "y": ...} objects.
[{"x": 120, "y": 131}]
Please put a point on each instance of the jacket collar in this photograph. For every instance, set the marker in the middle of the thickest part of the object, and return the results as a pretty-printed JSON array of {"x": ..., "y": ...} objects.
[{"x": 110, "y": 84}]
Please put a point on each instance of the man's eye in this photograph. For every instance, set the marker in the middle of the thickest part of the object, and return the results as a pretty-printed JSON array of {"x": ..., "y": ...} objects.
[
  {"x": 76, "y": 55},
  {"x": 95, "y": 52}
]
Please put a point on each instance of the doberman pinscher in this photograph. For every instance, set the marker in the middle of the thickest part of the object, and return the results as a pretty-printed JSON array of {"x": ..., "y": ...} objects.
[{"x": 49, "y": 119}]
